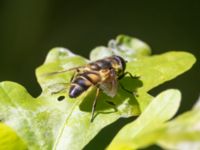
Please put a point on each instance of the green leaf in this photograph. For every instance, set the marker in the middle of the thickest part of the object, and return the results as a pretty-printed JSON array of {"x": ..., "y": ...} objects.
[
  {"x": 9, "y": 140},
  {"x": 197, "y": 105},
  {"x": 158, "y": 69},
  {"x": 32, "y": 119},
  {"x": 130, "y": 47},
  {"x": 161, "y": 109},
  {"x": 182, "y": 132},
  {"x": 58, "y": 59},
  {"x": 78, "y": 111},
  {"x": 153, "y": 70},
  {"x": 127, "y": 47},
  {"x": 100, "y": 52},
  {"x": 46, "y": 123}
]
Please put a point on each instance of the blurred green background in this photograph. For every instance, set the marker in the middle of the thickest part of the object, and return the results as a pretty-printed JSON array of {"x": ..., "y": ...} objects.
[{"x": 30, "y": 28}]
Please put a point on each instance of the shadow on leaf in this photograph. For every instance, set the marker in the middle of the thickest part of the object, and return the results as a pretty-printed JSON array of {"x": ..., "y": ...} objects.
[
  {"x": 106, "y": 104},
  {"x": 106, "y": 135}
]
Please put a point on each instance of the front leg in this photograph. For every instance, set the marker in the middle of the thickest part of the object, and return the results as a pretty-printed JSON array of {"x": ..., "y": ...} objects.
[{"x": 128, "y": 73}]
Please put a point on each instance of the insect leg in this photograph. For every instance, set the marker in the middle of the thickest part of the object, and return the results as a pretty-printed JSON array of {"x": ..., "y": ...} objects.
[
  {"x": 94, "y": 104},
  {"x": 74, "y": 74}
]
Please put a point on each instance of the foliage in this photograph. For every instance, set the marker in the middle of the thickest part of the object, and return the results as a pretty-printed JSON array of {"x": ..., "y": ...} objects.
[
  {"x": 9, "y": 140},
  {"x": 151, "y": 127},
  {"x": 47, "y": 123}
]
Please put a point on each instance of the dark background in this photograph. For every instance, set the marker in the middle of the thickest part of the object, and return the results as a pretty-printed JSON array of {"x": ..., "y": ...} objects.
[{"x": 30, "y": 28}]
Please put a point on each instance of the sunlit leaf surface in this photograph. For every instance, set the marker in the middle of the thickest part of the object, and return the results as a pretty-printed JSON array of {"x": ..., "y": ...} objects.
[
  {"x": 47, "y": 123},
  {"x": 182, "y": 132},
  {"x": 9, "y": 140},
  {"x": 162, "y": 108}
]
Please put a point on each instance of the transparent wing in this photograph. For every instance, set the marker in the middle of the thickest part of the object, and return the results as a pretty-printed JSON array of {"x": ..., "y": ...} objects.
[
  {"x": 63, "y": 71},
  {"x": 109, "y": 86}
]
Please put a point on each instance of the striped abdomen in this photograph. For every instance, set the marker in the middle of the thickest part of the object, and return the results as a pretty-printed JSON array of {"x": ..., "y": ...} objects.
[{"x": 82, "y": 82}]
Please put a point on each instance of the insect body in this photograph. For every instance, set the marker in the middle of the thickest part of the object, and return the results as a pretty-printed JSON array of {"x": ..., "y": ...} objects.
[{"x": 102, "y": 74}]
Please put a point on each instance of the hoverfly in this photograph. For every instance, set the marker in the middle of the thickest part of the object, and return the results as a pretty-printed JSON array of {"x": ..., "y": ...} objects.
[{"x": 102, "y": 74}]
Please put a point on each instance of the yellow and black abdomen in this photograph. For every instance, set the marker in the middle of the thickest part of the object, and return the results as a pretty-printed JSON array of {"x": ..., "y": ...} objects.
[
  {"x": 82, "y": 82},
  {"x": 95, "y": 73}
]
